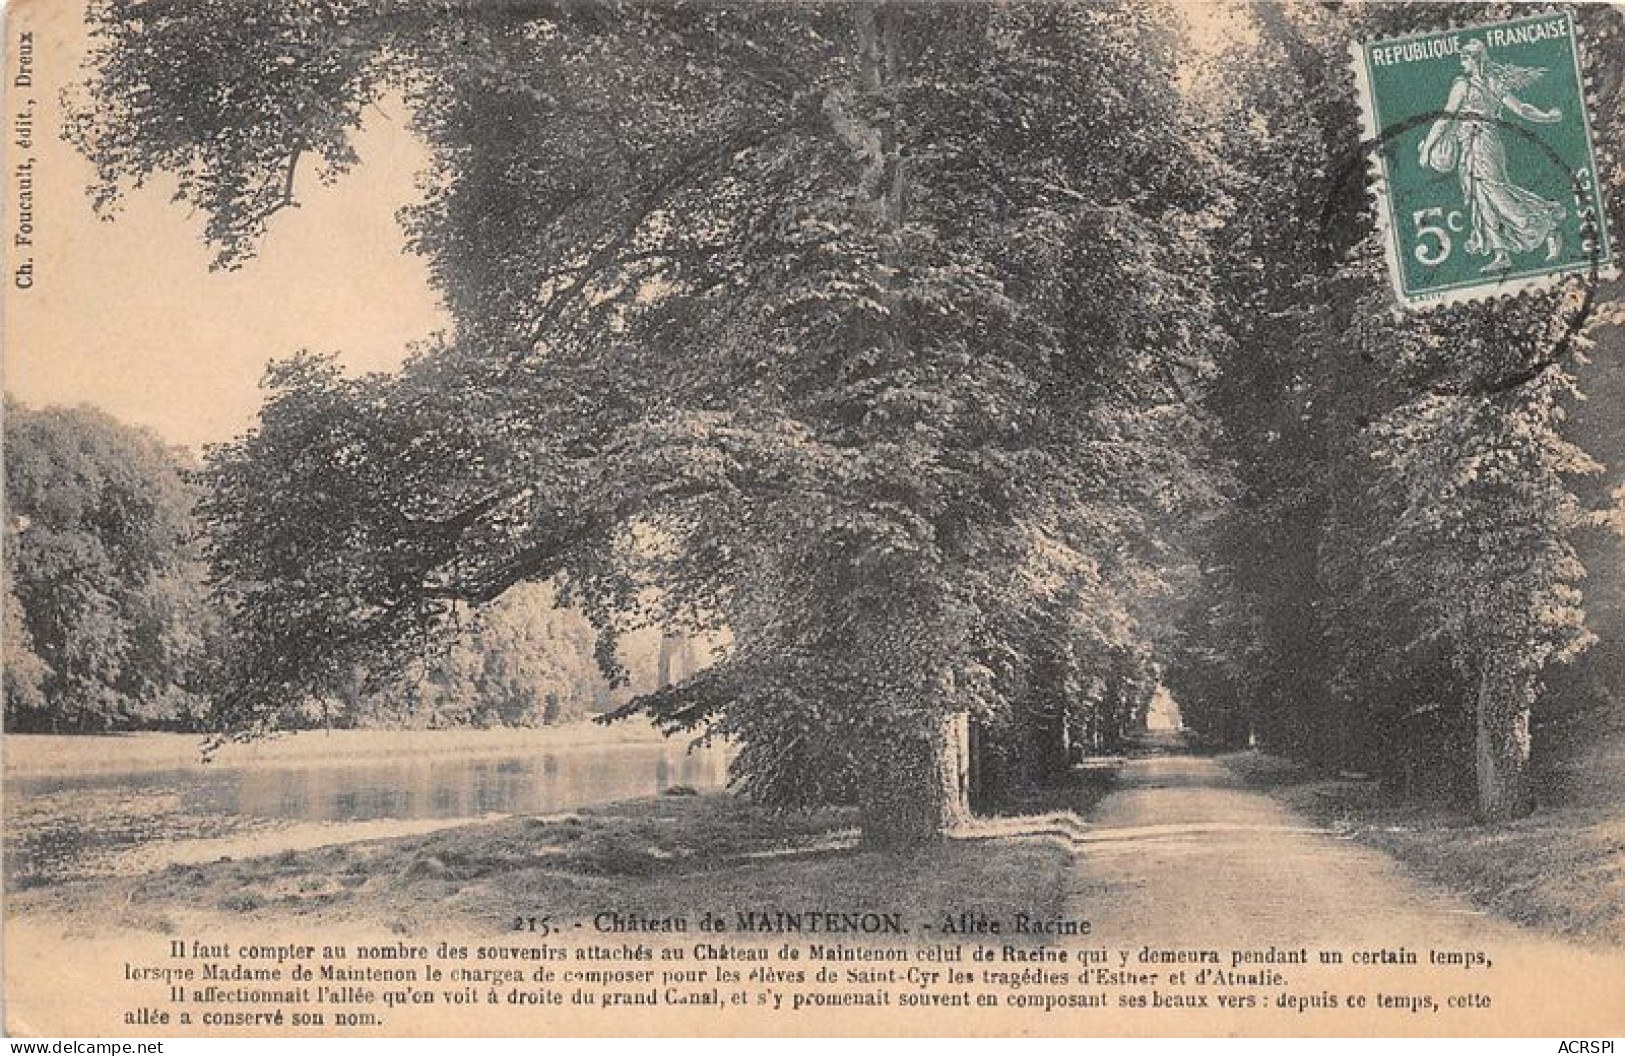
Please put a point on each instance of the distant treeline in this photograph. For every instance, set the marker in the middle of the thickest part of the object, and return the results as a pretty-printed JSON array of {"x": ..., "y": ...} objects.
[{"x": 109, "y": 623}]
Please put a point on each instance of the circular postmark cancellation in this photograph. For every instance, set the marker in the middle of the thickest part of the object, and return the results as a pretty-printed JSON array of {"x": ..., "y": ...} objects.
[{"x": 1479, "y": 143}]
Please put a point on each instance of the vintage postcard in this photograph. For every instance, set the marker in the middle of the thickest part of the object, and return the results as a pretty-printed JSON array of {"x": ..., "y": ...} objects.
[{"x": 707, "y": 517}]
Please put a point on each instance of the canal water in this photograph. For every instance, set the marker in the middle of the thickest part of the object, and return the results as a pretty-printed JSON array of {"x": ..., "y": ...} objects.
[{"x": 61, "y": 826}]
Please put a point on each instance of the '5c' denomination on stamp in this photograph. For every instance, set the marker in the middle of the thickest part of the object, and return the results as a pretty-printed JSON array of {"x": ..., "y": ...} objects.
[{"x": 1481, "y": 149}]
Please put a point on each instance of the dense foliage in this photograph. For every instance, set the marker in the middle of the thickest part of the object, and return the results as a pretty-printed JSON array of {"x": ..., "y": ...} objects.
[
  {"x": 781, "y": 319},
  {"x": 1400, "y": 571},
  {"x": 903, "y": 348},
  {"x": 107, "y": 621},
  {"x": 520, "y": 662}
]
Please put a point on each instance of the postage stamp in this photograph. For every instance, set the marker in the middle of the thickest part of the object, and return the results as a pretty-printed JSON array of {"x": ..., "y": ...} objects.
[{"x": 1480, "y": 146}]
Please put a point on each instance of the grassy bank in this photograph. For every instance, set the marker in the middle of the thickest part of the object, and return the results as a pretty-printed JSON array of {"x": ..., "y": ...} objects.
[
  {"x": 1561, "y": 869},
  {"x": 656, "y": 856}
]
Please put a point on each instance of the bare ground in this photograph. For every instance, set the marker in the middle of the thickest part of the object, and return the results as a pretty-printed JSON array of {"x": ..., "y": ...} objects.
[{"x": 1561, "y": 870}]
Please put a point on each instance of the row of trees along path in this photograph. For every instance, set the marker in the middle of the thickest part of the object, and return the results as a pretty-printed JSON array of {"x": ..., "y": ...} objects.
[{"x": 960, "y": 365}]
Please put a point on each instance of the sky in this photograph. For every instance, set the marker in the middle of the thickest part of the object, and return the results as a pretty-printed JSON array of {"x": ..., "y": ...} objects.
[{"x": 126, "y": 314}]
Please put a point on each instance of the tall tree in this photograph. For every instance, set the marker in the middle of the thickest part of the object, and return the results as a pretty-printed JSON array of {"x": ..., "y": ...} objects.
[
  {"x": 107, "y": 617},
  {"x": 1404, "y": 553},
  {"x": 24, "y": 672},
  {"x": 791, "y": 317},
  {"x": 519, "y": 662}
]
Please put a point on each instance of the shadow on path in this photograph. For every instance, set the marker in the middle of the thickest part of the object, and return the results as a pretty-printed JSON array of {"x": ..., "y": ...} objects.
[{"x": 1183, "y": 852}]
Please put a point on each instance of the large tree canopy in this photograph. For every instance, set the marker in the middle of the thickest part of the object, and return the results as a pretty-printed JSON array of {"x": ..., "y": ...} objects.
[
  {"x": 870, "y": 332},
  {"x": 900, "y": 346},
  {"x": 107, "y": 623},
  {"x": 1399, "y": 572}
]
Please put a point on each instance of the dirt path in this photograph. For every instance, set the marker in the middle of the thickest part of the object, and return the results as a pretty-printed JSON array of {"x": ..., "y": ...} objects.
[
  {"x": 1182, "y": 855},
  {"x": 1183, "y": 852}
]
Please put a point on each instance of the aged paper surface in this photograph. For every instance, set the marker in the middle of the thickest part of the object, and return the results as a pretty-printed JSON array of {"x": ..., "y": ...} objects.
[{"x": 1191, "y": 816}]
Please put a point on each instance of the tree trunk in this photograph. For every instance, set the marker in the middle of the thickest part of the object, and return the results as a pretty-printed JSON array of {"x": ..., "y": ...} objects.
[
  {"x": 687, "y": 660},
  {"x": 1045, "y": 760},
  {"x": 922, "y": 789},
  {"x": 924, "y": 792},
  {"x": 1504, "y": 790},
  {"x": 669, "y": 645}
]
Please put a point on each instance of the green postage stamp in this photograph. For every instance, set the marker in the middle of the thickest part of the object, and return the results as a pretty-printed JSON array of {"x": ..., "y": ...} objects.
[{"x": 1481, "y": 148}]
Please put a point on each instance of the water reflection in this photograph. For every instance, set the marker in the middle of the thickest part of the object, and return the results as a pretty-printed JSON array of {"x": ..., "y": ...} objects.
[
  {"x": 437, "y": 787},
  {"x": 57, "y": 821}
]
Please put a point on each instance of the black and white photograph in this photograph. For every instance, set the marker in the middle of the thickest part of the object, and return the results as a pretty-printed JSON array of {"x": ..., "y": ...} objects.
[{"x": 701, "y": 518}]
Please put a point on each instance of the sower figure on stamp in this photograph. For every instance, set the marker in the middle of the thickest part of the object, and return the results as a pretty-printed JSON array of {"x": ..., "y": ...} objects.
[{"x": 1505, "y": 218}]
